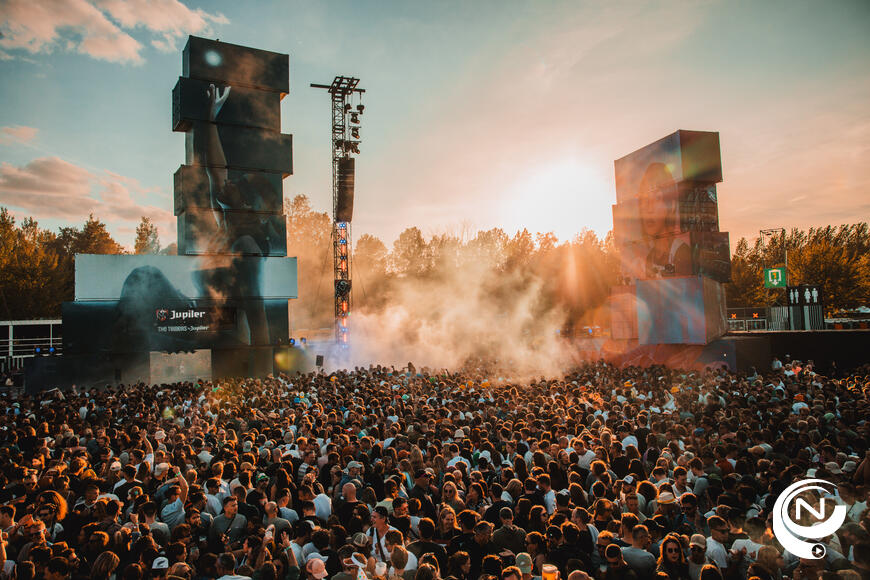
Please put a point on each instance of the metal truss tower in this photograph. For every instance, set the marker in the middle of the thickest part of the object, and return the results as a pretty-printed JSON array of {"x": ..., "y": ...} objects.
[{"x": 345, "y": 143}]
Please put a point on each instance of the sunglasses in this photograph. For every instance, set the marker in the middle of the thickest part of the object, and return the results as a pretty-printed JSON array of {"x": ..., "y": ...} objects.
[{"x": 672, "y": 550}]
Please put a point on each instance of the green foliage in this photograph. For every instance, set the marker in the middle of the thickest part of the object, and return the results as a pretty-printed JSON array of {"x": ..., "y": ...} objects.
[
  {"x": 834, "y": 257},
  {"x": 37, "y": 267},
  {"x": 147, "y": 240},
  {"x": 573, "y": 278}
]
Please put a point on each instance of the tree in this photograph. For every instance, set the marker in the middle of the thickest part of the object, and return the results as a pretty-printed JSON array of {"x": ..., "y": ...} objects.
[
  {"x": 410, "y": 253},
  {"x": 147, "y": 240}
]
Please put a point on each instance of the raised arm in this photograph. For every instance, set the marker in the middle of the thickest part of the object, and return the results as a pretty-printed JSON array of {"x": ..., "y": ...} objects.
[{"x": 215, "y": 160}]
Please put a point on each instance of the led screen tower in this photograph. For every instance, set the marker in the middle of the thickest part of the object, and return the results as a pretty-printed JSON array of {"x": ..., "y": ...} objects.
[
  {"x": 345, "y": 143},
  {"x": 222, "y": 302},
  {"x": 666, "y": 228},
  {"x": 229, "y": 193}
]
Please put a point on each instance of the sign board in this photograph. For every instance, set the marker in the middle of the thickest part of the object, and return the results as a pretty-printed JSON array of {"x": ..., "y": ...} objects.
[
  {"x": 804, "y": 295},
  {"x": 774, "y": 277}
]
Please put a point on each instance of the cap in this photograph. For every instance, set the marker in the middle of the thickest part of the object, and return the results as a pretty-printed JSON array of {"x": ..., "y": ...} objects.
[
  {"x": 160, "y": 563},
  {"x": 247, "y": 446},
  {"x": 698, "y": 540},
  {"x": 116, "y": 466},
  {"x": 833, "y": 468},
  {"x": 524, "y": 562},
  {"x": 850, "y": 466},
  {"x": 161, "y": 468},
  {"x": 360, "y": 540},
  {"x": 160, "y": 434},
  {"x": 354, "y": 465},
  {"x": 316, "y": 568},
  {"x": 666, "y": 498}
]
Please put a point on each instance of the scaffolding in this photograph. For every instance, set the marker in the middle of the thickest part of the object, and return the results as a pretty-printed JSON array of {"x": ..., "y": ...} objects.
[{"x": 345, "y": 143}]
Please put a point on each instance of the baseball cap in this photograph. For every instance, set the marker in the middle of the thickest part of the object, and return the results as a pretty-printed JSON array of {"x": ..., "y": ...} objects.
[
  {"x": 354, "y": 465},
  {"x": 698, "y": 540},
  {"x": 161, "y": 468},
  {"x": 160, "y": 563},
  {"x": 360, "y": 540},
  {"x": 524, "y": 562},
  {"x": 832, "y": 468}
]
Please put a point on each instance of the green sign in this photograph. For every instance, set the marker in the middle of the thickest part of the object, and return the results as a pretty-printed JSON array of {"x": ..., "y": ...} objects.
[{"x": 774, "y": 277}]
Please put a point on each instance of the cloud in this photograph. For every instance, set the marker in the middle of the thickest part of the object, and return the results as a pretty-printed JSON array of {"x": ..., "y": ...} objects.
[
  {"x": 170, "y": 19},
  {"x": 97, "y": 28},
  {"x": 17, "y": 134},
  {"x": 50, "y": 187},
  {"x": 73, "y": 24}
]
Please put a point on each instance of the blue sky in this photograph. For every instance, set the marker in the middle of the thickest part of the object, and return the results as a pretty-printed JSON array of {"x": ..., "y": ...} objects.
[{"x": 478, "y": 114}]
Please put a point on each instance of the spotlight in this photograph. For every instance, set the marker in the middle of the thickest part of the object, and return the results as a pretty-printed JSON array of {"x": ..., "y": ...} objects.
[
  {"x": 355, "y": 147},
  {"x": 292, "y": 342},
  {"x": 303, "y": 340},
  {"x": 347, "y": 107},
  {"x": 37, "y": 350},
  {"x": 340, "y": 143},
  {"x": 354, "y": 132},
  {"x": 51, "y": 350},
  {"x": 360, "y": 108},
  {"x": 354, "y": 118}
]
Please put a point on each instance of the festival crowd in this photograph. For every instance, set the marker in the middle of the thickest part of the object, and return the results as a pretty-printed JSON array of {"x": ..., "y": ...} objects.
[{"x": 405, "y": 474}]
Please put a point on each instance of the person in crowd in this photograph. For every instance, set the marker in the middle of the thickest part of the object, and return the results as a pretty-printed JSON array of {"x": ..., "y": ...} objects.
[{"x": 474, "y": 473}]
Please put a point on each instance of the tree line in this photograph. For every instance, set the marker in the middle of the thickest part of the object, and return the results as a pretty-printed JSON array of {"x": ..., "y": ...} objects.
[{"x": 573, "y": 277}]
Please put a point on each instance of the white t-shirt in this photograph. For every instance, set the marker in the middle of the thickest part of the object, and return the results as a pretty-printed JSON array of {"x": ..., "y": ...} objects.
[
  {"x": 717, "y": 554},
  {"x": 751, "y": 548}
]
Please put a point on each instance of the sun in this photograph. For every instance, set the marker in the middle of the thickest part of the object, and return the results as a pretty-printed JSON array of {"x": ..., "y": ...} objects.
[{"x": 563, "y": 197}]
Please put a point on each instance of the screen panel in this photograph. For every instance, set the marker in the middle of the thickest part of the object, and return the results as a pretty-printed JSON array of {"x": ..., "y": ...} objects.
[
  {"x": 109, "y": 277},
  {"x": 213, "y": 60},
  {"x": 243, "y": 106},
  {"x": 681, "y": 156},
  {"x": 245, "y": 148},
  {"x": 246, "y": 190},
  {"x": 161, "y": 324},
  {"x": 239, "y": 232}
]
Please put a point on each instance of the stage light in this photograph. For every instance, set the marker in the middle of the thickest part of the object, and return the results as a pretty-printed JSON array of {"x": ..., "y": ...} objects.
[
  {"x": 354, "y": 147},
  {"x": 37, "y": 350},
  {"x": 354, "y": 118},
  {"x": 51, "y": 350},
  {"x": 303, "y": 340},
  {"x": 340, "y": 143},
  {"x": 354, "y": 132},
  {"x": 292, "y": 342},
  {"x": 347, "y": 107},
  {"x": 360, "y": 108}
]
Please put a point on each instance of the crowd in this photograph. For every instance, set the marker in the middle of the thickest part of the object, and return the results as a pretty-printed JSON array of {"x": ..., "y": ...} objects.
[{"x": 401, "y": 474}]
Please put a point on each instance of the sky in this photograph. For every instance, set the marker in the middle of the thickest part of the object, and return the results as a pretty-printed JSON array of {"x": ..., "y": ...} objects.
[{"x": 478, "y": 114}]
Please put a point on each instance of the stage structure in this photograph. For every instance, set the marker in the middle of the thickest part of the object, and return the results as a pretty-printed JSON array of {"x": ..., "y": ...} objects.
[
  {"x": 345, "y": 143},
  {"x": 221, "y": 304},
  {"x": 674, "y": 259}
]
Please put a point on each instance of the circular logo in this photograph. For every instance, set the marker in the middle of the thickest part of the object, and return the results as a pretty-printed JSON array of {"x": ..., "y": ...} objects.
[{"x": 807, "y": 500}]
